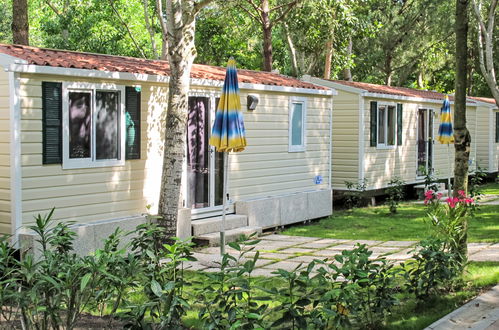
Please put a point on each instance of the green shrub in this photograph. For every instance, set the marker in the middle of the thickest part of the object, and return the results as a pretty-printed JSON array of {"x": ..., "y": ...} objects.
[
  {"x": 433, "y": 270},
  {"x": 228, "y": 297},
  {"x": 395, "y": 192},
  {"x": 354, "y": 195}
]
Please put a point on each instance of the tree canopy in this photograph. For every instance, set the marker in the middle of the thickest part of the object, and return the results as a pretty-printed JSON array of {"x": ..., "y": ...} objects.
[{"x": 399, "y": 42}]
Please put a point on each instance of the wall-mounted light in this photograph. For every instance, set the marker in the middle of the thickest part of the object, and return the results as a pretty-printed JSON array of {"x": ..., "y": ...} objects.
[{"x": 251, "y": 102}]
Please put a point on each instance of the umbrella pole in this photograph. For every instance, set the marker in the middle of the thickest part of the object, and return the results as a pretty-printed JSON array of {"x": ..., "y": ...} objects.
[
  {"x": 224, "y": 203},
  {"x": 449, "y": 190}
]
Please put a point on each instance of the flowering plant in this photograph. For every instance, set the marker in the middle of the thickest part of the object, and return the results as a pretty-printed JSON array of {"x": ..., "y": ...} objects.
[{"x": 449, "y": 217}]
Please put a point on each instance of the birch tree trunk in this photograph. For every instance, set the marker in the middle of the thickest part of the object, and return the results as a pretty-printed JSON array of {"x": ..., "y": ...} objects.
[
  {"x": 20, "y": 25},
  {"x": 180, "y": 22},
  {"x": 462, "y": 138},
  {"x": 486, "y": 46}
]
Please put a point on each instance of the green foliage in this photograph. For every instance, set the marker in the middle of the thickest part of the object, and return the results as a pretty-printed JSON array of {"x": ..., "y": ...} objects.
[
  {"x": 430, "y": 181},
  {"x": 395, "y": 192},
  {"x": 228, "y": 297},
  {"x": 432, "y": 270},
  {"x": 476, "y": 183},
  {"x": 354, "y": 195},
  {"x": 5, "y": 22},
  {"x": 450, "y": 221}
]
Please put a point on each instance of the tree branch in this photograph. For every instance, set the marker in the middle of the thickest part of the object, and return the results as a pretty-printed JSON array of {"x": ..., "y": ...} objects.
[
  {"x": 257, "y": 18},
  {"x": 257, "y": 8},
  {"x": 200, "y": 5},
  {"x": 51, "y": 5},
  {"x": 286, "y": 11},
  {"x": 127, "y": 28},
  {"x": 149, "y": 28},
  {"x": 283, "y": 5},
  {"x": 164, "y": 29}
]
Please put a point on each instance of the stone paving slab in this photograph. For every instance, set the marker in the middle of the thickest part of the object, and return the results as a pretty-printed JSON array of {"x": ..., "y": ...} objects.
[
  {"x": 332, "y": 241},
  {"x": 384, "y": 249},
  {"x": 288, "y": 238},
  {"x": 286, "y": 265},
  {"x": 315, "y": 245},
  {"x": 480, "y": 313},
  {"x": 275, "y": 256},
  {"x": 398, "y": 243},
  {"x": 294, "y": 250},
  {"x": 305, "y": 259},
  {"x": 486, "y": 255}
]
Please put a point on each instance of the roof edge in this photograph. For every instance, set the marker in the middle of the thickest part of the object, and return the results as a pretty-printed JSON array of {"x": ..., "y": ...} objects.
[{"x": 86, "y": 73}]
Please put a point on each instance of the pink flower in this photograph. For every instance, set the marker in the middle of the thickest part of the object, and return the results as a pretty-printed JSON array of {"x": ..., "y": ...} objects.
[
  {"x": 439, "y": 195},
  {"x": 469, "y": 200},
  {"x": 461, "y": 193},
  {"x": 452, "y": 201},
  {"x": 429, "y": 194}
]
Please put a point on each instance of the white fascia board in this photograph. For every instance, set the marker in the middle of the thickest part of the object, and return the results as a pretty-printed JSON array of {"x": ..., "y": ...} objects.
[
  {"x": 361, "y": 151},
  {"x": 85, "y": 73},
  {"x": 409, "y": 98},
  {"x": 7, "y": 60},
  {"x": 332, "y": 84}
]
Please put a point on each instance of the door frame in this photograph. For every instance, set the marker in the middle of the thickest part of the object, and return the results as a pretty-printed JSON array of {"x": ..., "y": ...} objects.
[
  {"x": 429, "y": 112},
  {"x": 211, "y": 210}
]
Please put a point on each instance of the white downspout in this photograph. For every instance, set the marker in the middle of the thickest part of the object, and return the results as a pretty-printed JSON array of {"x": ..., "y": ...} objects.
[
  {"x": 361, "y": 138},
  {"x": 331, "y": 143}
]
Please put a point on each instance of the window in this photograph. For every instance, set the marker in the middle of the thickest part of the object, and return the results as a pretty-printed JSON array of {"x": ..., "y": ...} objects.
[
  {"x": 92, "y": 119},
  {"x": 387, "y": 125},
  {"x": 297, "y": 124}
]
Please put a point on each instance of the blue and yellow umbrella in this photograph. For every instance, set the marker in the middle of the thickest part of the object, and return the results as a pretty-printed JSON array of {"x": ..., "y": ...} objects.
[
  {"x": 445, "y": 132},
  {"x": 228, "y": 132},
  {"x": 228, "y": 129}
]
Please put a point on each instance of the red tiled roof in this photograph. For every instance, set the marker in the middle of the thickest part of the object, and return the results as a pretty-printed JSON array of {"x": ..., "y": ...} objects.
[
  {"x": 391, "y": 90},
  {"x": 100, "y": 62},
  {"x": 483, "y": 99}
]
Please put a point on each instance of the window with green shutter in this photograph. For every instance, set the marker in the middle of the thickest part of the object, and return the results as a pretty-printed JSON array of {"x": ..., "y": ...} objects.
[
  {"x": 374, "y": 123},
  {"x": 52, "y": 122},
  {"x": 82, "y": 124},
  {"x": 399, "y": 124},
  {"x": 132, "y": 123}
]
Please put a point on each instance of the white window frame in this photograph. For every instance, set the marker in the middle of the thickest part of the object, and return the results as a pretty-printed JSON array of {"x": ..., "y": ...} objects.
[
  {"x": 91, "y": 162},
  {"x": 384, "y": 145},
  {"x": 303, "y": 146}
]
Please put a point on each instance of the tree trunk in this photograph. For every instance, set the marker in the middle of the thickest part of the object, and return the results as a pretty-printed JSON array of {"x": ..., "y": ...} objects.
[
  {"x": 347, "y": 72},
  {"x": 267, "y": 37},
  {"x": 329, "y": 59},
  {"x": 292, "y": 52},
  {"x": 388, "y": 70},
  {"x": 462, "y": 138},
  {"x": 181, "y": 54},
  {"x": 20, "y": 25}
]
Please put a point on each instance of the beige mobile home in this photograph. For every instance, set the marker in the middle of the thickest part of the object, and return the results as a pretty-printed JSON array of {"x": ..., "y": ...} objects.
[
  {"x": 381, "y": 132},
  {"x": 84, "y": 133},
  {"x": 487, "y": 134}
]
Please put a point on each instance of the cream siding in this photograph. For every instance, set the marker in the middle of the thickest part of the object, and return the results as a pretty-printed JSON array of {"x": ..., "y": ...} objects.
[
  {"x": 345, "y": 155},
  {"x": 85, "y": 195},
  {"x": 487, "y": 148},
  {"x": 5, "y": 218},
  {"x": 265, "y": 168}
]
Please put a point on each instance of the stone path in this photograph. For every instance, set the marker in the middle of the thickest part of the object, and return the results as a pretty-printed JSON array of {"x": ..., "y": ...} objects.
[{"x": 287, "y": 252}]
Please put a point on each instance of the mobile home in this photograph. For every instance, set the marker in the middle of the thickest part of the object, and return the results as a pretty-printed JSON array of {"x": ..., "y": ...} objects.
[
  {"x": 381, "y": 132},
  {"x": 84, "y": 133}
]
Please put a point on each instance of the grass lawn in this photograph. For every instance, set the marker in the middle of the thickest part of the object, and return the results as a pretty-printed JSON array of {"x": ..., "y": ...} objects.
[
  {"x": 409, "y": 224},
  {"x": 406, "y": 315},
  {"x": 490, "y": 189}
]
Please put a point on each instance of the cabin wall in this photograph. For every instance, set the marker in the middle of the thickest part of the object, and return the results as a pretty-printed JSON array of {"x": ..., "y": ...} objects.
[
  {"x": 381, "y": 165},
  {"x": 345, "y": 155},
  {"x": 494, "y": 162},
  {"x": 5, "y": 197},
  {"x": 89, "y": 194},
  {"x": 266, "y": 167}
]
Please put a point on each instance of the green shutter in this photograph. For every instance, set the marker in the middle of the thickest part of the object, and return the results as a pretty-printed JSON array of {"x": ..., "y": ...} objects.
[
  {"x": 374, "y": 123},
  {"x": 52, "y": 122},
  {"x": 497, "y": 127},
  {"x": 399, "y": 124},
  {"x": 132, "y": 123}
]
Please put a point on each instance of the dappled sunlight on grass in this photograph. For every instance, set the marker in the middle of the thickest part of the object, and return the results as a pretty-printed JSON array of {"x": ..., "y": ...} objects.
[
  {"x": 408, "y": 224},
  {"x": 490, "y": 189}
]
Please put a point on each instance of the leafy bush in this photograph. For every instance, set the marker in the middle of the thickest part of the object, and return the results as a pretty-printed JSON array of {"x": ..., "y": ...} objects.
[
  {"x": 395, "y": 193},
  {"x": 228, "y": 297},
  {"x": 433, "y": 269},
  {"x": 355, "y": 193}
]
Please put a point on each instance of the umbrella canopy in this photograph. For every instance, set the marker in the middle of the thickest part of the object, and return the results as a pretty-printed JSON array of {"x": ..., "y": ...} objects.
[
  {"x": 445, "y": 132},
  {"x": 228, "y": 132}
]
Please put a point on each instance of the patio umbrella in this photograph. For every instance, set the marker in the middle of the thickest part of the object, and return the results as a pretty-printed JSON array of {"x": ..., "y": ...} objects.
[
  {"x": 445, "y": 132},
  {"x": 228, "y": 131}
]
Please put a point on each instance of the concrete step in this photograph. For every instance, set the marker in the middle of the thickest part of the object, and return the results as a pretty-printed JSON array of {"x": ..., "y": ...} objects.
[
  {"x": 213, "y": 239},
  {"x": 211, "y": 225}
]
